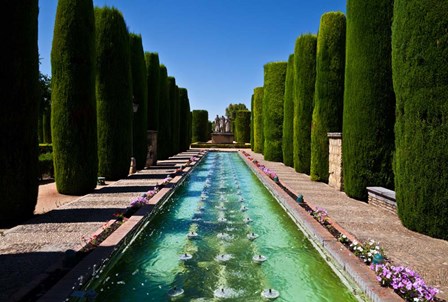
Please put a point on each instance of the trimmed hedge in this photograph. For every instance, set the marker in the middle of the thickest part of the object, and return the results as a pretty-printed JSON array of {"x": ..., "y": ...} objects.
[
  {"x": 174, "y": 117},
  {"x": 73, "y": 109},
  {"x": 140, "y": 97},
  {"x": 252, "y": 122},
  {"x": 369, "y": 100},
  {"x": 164, "y": 132},
  {"x": 19, "y": 94},
  {"x": 185, "y": 125},
  {"x": 288, "y": 118},
  {"x": 113, "y": 94},
  {"x": 329, "y": 90},
  {"x": 153, "y": 84},
  {"x": 199, "y": 126},
  {"x": 274, "y": 90},
  {"x": 420, "y": 77},
  {"x": 258, "y": 120},
  {"x": 304, "y": 82},
  {"x": 242, "y": 124}
]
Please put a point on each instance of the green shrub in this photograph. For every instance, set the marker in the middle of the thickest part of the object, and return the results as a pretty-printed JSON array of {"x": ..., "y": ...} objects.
[
  {"x": 420, "y": 77},
  {"x": 73, "y": 108},
  {"x": 113, "y": 94},
  {"x": 369, "y": 101},
  {"x": 288, "y": 118},
  {"x": 242, "y": 124},
  {"x": 173, "y": 92},
  {"x": 258, "y": 120},
  {"x": 184, "y": 142},
  {"x": 329, "y": 90},
  {"x": 252, "y": 122},
  {"x": 19, "y": 93},
  {"x": 153, "y": 84},
  {"x": 140, "y": 97},
  {"x": 274, "y": 90},
  {"x": 46, "y": 165},
  {"x": 164, "y": 132},
  {"x": 200, "y": 127}
]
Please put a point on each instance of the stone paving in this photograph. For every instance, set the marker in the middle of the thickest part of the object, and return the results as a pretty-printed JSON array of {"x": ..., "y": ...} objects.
[
  {"x": 426, "y": 255},
  {"x": 27, "y": 251}
]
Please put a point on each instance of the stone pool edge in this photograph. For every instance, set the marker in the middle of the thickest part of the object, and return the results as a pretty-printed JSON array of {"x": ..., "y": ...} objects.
[
  {"x": 336, "y": 254},
  {"x": 113, "y": 244}
]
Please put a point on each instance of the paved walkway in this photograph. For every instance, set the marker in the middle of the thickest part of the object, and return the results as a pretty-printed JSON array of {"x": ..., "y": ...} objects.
[
  {"x": 29, "y": 250},
  {"x": 426, "y": 255}
]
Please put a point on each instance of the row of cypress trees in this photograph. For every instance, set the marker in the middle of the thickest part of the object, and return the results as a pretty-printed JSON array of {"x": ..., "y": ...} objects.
[
  {"x": 106, "y": 94},
  {"x": 381, "y": 68}
]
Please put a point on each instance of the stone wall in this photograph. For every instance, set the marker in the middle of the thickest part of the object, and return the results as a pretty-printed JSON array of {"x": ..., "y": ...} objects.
[
  {"x": 383, "y": 198},
  {"x": 335, "y": 179}
]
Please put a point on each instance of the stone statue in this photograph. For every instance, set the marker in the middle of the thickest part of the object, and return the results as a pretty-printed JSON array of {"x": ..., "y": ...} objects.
[
  {"x": 217, "y": 126},
  {"x": 222, "y": 124},
  {"x": 227, "y": 123}
]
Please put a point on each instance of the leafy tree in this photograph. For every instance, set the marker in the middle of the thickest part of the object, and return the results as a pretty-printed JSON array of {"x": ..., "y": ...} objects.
[
  {"x": 19, "y": 93},
  {"x": 113, "y": 93},
  {"x": 420, "y": 77},
  {"x": 369, "y": 99},
  {"x": 73, "y": 109},
  {"x": 231, "y": 114},
  {"x": 44, "y": 128}
]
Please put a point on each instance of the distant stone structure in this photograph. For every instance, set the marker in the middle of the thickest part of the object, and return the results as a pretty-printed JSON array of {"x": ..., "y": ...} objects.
[{"x": 222, "y": 133}]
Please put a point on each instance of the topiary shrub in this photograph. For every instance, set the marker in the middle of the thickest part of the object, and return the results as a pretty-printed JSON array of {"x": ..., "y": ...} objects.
[
  {"x": 140, "y": 97},
  {"x": 19, "y": 93},
  {"x": 252, "y": 123},
  {"x": 164, "y": 132},
  {"x": 304, "y": 81},
  {"x": 329, "y": 90},
  {"x": 73, "y": 109},
  {"x": 153, "y": 84},
  {"x": 288, "y": 118},
  {"x": 420, "y": 73},
  {"x": 274, "y": 90},
  {"x": 113, "y": 94},
  {"x": 174, "y": 116},
  {"x": 258, "y": 120},
  {"x": 199, "y": 126},
  {"x": 242, "y": 124},
  {"x": 184, "y": 143},
  {"x": 369, "y": 100}
]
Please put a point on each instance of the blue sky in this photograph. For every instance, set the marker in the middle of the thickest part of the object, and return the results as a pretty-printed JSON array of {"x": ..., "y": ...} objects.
[{"x": 214, "y": 48}]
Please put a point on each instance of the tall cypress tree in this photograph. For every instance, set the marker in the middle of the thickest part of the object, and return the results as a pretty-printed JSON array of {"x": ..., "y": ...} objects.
[
  {"x": 164, "y": 134},
  {"x": 140, "y": 97},
  {"x": 274, "y": 90},
  {"x": 19, "y": 94},
  {"x": 153, "y": 84},
  {"x": 420, "y": 77},
  {"x": 258, "y": 120},
  {"x": 329, "y": 91},
  {"x": 242, "y": 124},
  {"x": 304, "y": 81},
  {"x": 288, "y": 119},
  {"x": 113, "y": 93},
  {"x": 184, "y": 142},
  {"x": 73, "y": 110},
  {"x": 172, "y": 91},
  {"x": 369, "y": 100},
  {"x": 200, "y": 126},
  {"x": 252, "y": 123}
]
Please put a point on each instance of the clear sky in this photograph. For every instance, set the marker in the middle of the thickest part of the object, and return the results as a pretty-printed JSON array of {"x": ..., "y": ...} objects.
[{"x": 214, "y": 48}]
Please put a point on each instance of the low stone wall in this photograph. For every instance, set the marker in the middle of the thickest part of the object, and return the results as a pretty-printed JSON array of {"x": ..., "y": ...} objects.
[{"x": 383, "y": 198}]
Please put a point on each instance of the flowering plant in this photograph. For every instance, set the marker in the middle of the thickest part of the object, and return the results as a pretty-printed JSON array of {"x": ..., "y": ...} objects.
[
  {"x": 320, "y": 214},
  {"x": 366, "y": 250},
  {"x": 138, "y": 202},
  {"x": 343, "y": 239},
  {"x": 405, "y": 282}
]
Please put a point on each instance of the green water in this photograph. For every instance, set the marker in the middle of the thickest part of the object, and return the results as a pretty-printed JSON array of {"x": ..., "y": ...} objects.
[{"x": 150, "y": 267}]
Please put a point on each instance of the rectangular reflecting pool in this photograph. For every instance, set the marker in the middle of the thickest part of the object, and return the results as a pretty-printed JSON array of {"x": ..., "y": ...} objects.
[{"x": 220, "y": 236}]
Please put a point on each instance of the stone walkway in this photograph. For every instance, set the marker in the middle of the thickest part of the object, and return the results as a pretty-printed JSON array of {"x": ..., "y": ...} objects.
[
  {"x": 426, "y": 255},
  {"x": 29, "y": 250}
]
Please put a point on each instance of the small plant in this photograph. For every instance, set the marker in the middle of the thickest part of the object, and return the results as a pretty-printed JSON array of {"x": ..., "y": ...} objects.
[
  {"x": 343, "y": 239},
  {"x": 365, "y": 251},
  {"x": 320, "y": 214}
]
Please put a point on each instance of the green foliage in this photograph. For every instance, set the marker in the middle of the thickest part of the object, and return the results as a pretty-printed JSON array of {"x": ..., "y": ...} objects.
[
  {"x": 46, "y": 165},
  {"x": 200, "y": 126},
  {"x": 140, "y": 97},
  {"x": 173, "y": 92},
  {"x": 288, "y": 118},
  {"x": 231, "y": 114},
  {"x": 242, "y": 125},
  {"x": 19, "y": 94},
  {"x": 153, "y": 84},
  {"x": 113, "y": 93},
  {"x": 164, "y": 132},
  {"x": 252, "y": 123},
  {"x": 73, "y": 108},
  {"x": 184, "y": 142},
  {"x": 274, "y": 90},
  {"x": 369, "y": 100},
  {"x": 420, "y": 78},
  {"x": 304, "y": 81},
  {"x": 329, "y": 90},
  {"x": 44, "y": 126},
  {"x": 258, "y": 120}
]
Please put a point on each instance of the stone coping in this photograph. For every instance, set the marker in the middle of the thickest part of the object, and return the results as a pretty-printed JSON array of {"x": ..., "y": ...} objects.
[
  {"x": 337, "y": 255},
  {"x": 383, "y": 194},
  {"x": 334, "y": 135}
]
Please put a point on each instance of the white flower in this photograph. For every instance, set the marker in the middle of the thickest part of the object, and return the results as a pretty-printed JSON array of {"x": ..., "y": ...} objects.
[
  {"x": 360, "y": 249},
  {"x": 369, "y": 254}
]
